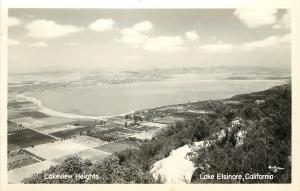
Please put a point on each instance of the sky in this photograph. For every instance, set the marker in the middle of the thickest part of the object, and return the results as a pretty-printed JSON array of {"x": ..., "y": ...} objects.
[{"x": 136, "y": 39}]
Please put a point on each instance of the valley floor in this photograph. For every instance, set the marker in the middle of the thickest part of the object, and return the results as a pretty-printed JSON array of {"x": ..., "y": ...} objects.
[{"x": 37, "y": 140}]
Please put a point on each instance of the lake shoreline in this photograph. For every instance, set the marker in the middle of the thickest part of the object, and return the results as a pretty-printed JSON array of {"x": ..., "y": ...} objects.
[
  {"x": 41, "y": 107},
  {"x": 54, "y": 113}
]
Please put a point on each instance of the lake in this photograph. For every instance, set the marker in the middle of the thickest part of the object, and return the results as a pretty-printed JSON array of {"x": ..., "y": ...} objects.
[{"x": 117, "y": 99}]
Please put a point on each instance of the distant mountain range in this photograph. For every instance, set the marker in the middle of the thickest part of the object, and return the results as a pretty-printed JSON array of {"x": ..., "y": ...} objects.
[{"x": 127, "y": 76}]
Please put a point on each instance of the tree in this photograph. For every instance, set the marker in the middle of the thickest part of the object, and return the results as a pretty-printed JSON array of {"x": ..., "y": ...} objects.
[{"x": 137, "y": 118}]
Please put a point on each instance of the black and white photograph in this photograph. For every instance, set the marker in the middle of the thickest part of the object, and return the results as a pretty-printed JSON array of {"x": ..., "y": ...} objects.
[{"x": 149, "y": 96}]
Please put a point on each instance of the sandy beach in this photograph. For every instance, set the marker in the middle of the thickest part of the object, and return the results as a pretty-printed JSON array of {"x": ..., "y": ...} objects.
[{"x": 46, "y": 110}]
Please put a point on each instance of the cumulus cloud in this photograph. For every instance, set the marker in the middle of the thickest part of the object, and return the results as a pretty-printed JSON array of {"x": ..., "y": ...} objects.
[
  {"x": 38, "y": 44},
  {"x": 284, "y": 22},
  {"x": 253, "y": 18},
  {"x": 13, "y": 21},
  {"x": 102, "y": 25},
  {"x": 132, "y": 37},
  {"x": 49, "y": 29},
  {"x": 137, "y": 34},
  {"x": 12, "y": 42},
  {"x": 191, "y": 35},
  {"x": 276, "y": 26},
  {"x": 144, "y": 27},
  {"x": 132, "y": 57},
  {"x": 217, "y": 47},
  {"x": 165, "y": 44},
  {"x": 71, "y": 43},
  {"x": 286, "y": 39},
  {"x": 271, "y": 41}
]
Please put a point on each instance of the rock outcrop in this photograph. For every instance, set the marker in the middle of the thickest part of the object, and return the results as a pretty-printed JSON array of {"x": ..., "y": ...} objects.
[{"x": 177, "y": 168}]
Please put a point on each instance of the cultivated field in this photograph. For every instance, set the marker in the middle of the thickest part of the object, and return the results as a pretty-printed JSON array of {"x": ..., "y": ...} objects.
[
  {"x": 93, "y": 155},
  {"x": 18, "y": 174},
  {"x": 57, "y": 149},
  {"x": 28, "y": 138},
  {"x": 87, "y": 141},
  {"x": 57, "y": 128},
  {"x": 19, "y": 159},
  {"x": 114, "y": 147}
]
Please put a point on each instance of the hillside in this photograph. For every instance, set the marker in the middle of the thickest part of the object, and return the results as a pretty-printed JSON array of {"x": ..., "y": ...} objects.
[{"x": 260, "y": 142}]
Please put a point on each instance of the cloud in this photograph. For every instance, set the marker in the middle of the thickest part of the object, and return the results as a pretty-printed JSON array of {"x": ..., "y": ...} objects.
[
  {"x": 102, "y": 25},
  {"x": 164, "y": 44},
  {"x": 130, "y": 32},
  {"x": 276, "y": 26},
  {"x": 71, "y": 43},
  {"x": 286, "y": 39},
  {"x": 13, "y": 21},
  {"x": 132, "y": 57},
  {"x": 191, "y": 35},
  {"x": 38, "y": 44},
  {"x": 132, "y": 37},
  {"x": 284, "y": 22},
  {"x": 217, "y": 47},
  {"x": 133, "y": 40},
  {"x": 144, "y": 27},
  {"x": 271, "y": 41},
  {"x": 137, "y": 34},
  {"x": 49, "y": 29},
  {"x": 12, "y": 42},
  {"x": 253, "y": 18}
]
